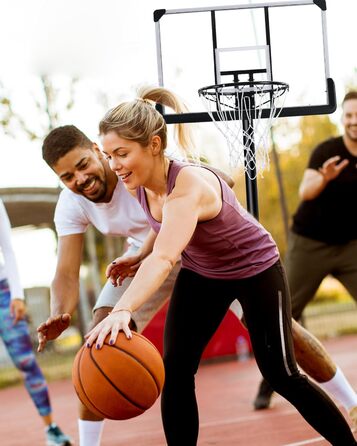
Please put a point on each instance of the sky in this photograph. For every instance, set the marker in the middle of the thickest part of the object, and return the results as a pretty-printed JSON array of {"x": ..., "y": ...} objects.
[{"x": 110, "y": 46}]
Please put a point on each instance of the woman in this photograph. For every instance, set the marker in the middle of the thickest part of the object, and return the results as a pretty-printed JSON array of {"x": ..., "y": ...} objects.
[
  {"x": 14, "y": 332},
  {"x": 226, "y": 254}
]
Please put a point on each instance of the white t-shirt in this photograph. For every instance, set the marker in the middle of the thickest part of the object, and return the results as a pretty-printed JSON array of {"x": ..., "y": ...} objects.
[
  {"x": 8, "y": 265},
  {"x": 122, "y": 216}
]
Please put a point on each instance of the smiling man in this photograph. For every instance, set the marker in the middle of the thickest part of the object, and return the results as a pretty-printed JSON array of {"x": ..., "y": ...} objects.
[{"x": 93, "y": 196}]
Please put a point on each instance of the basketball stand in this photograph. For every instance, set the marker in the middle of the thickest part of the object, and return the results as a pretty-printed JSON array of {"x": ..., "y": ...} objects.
[{"x": 245, "y": 52}]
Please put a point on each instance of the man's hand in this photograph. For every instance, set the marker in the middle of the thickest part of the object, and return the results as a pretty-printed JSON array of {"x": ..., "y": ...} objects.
[
  {"x": 315, "y": 181},
  {"x": 17, "y": 309},
  {"x": 332, "y": 167},
  {"x": 51, "y": 329}
]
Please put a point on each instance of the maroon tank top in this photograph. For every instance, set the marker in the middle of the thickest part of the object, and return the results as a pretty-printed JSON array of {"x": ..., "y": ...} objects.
[{"x": 232, "y": 245}]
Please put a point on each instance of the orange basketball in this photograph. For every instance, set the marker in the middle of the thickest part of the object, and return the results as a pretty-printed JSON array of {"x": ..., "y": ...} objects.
[{"x": 119, "y": 381}]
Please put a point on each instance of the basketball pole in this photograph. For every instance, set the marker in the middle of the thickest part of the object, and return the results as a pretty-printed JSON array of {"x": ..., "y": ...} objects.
[{"x": 251, "y": 188}]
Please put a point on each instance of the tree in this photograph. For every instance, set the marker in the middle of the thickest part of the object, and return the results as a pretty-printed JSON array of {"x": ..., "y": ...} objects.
[{"x": 306, "y": 134}]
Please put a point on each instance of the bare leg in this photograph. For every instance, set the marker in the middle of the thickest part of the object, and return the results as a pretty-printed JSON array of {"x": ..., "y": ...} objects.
[
  {"x": 311, "y": 355},
  {"x": 313, "y": 359},
  {"x": 99, "y": 315},
  {"x": 89, "y": 424},
  {"x": 47, "y": 419}
]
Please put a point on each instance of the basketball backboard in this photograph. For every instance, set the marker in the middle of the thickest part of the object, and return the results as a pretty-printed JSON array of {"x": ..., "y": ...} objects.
[{"x": 275, "y": 41}]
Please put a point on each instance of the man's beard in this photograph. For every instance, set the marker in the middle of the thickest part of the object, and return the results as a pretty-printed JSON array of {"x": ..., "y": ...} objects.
[
  {"x": 99, "y": 194},
  {"x": 351, "y": 134}
]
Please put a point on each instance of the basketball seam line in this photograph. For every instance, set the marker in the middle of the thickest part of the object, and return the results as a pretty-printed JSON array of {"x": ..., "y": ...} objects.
[
  {"x": 138, "y": 361},
  {"x": 83, "y": 390},
  {"x": 115, "y": 387}
]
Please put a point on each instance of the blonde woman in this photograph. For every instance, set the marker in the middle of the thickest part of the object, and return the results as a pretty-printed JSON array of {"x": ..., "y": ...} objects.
[{"x": 225, "y": 254}]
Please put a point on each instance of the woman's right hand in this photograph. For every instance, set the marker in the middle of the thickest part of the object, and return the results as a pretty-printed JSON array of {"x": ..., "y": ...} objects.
[
  {"x": 117, "y": 320},
  {"x": 123, "y": 267}
]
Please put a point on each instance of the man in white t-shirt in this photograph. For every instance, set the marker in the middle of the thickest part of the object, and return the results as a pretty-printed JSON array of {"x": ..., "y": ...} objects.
[{"x": 93, "y": 195}]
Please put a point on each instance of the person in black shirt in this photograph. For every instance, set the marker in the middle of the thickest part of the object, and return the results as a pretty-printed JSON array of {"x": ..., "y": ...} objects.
[{"x": 323, "y": 237}]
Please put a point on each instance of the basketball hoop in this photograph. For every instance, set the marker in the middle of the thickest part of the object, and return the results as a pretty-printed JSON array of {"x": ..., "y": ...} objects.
[{"x": 244, "y": 113}]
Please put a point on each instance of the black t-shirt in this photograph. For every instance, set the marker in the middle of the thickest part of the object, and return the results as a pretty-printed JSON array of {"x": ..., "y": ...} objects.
[{"x": 332, "y": 216}]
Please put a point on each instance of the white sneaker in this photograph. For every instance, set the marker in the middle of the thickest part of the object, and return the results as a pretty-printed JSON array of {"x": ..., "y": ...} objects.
[{"x": 55, "y": 437}]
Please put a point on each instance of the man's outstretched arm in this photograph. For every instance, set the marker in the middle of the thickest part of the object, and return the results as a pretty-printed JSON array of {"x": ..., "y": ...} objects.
[{"x": 64, "y": 289}]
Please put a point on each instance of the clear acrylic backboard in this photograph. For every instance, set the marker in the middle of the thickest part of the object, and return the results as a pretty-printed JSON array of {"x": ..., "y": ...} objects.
[{"x": 273, "y": 41}]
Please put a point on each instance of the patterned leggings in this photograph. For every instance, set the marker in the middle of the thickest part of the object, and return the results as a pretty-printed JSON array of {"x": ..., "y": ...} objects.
[{"x": 18, "y": 344}]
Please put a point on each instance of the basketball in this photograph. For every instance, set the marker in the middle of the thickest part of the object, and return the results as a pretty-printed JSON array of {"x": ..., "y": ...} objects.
[{"x": 119, "y": 381}]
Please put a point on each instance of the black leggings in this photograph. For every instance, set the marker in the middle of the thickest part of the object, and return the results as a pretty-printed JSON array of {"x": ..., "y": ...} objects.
[{"x": 197, "y": 307}]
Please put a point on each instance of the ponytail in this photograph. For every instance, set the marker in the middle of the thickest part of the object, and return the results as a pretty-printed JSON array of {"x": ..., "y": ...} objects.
[{"x": 139, "y": 121}]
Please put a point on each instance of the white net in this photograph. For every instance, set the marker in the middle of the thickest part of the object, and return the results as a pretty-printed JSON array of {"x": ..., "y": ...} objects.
[{"x": 244, "y": 113}]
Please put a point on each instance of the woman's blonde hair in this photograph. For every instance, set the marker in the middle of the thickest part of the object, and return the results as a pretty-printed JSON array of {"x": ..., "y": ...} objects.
[{"x": 139, "y": 121}]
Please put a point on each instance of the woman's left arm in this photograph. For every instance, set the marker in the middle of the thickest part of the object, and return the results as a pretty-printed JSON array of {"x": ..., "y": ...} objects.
[{"x": 180, "y": 215}]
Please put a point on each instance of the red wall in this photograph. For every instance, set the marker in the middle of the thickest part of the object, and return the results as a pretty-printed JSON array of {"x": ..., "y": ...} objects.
[{"x": 223, "y": 342}]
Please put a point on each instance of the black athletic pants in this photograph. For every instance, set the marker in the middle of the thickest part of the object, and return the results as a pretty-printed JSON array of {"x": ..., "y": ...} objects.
[{"x": 197, "y": 307}]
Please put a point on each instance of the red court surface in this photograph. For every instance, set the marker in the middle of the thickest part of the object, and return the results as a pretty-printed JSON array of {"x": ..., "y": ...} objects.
[{"x": 225, "y": 392}]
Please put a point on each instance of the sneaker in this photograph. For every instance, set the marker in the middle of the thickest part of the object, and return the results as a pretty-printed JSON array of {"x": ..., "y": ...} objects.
[
  {"x": 263, "y": 398},
  {"x": 55, "y": 437}
]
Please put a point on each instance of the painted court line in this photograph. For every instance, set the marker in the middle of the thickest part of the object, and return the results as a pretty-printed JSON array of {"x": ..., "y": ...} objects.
[
  {"x": 216, "y": 423},
  {"x": 312, "y": 440},
  {"x": 301, "y": 443},
  {"x": 242, "y": 419}
]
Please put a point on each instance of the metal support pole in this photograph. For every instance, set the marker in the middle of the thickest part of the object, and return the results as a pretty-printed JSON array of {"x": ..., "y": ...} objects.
[{"x": 251, "y": 188}]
